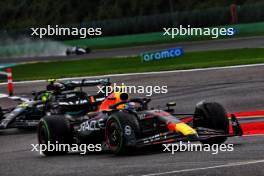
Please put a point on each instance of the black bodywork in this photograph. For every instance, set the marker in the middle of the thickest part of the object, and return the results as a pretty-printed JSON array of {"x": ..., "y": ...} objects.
[{"x": 59, "y": 98}]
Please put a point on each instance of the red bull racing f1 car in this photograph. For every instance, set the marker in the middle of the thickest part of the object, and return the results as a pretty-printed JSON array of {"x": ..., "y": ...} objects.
[{"x": 123, "y": 124}]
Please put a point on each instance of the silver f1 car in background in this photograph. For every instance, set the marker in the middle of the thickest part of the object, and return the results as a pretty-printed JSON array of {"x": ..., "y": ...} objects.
[{"x": 77, "y": 51}]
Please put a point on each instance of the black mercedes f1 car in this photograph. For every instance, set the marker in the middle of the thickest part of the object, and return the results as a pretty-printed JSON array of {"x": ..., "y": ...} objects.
[
  {"x": 129, "y": 124},
  {"x": 58, "y": 98}
]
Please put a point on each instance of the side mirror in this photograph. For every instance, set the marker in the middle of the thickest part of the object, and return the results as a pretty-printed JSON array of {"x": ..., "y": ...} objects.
[
  {"x": 169, "y": 105},
  {"x": 123, "y": 96}
]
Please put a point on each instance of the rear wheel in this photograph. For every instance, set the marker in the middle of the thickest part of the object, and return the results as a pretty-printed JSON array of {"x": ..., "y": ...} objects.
[
  {"x": 55, "y": 130},
  {"x": 212, "y": 115},
  {"x": 122, "y": 130}
]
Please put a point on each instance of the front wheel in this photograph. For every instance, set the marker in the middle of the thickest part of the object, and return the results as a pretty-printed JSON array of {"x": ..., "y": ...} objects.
[
  {"x": 212, "y": 115},
  {"x": 121, "y": 133}
]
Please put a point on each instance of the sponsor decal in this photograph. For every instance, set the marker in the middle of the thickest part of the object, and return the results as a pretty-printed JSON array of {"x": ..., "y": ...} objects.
[
  {"x": 128, "y": 130},
  {"x": 92, "y": 125},
  {"x": 161, "y": 55}
]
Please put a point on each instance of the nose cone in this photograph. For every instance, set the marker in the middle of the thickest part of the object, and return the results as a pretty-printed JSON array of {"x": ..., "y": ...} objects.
[{"x": 185, "y": 129}]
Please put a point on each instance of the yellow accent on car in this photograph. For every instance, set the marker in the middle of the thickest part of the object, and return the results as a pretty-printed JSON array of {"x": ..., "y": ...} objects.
[
  {"x": 43, "y": 99},
  {"x": 23, "y": 105},
  {"x": 92, "y": 99},
  {"x": 185, "y": 129},
  {"x": 52, "y": 80}
]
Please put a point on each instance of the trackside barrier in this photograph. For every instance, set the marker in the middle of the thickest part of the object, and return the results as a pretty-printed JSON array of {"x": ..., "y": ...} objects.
[{"x": 10, "y": 86}]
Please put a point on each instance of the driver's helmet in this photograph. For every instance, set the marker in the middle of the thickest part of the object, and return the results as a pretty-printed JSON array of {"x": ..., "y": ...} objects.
[
  {"x": 51, "y": 81},
  {"x": 50, "y": 85},
  {"x": 130, "y": 106},
  {"x": 54, "y": 85}
]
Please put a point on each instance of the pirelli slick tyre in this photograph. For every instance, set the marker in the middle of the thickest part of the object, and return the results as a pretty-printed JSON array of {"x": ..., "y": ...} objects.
[
  {"x": 212, "y": 115},
  {"x": 55, "y": 130},
  {"x": 122, "y": 131}
]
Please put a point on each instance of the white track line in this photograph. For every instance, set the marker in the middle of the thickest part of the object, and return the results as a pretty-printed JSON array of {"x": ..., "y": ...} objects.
[
  {"x": 14, "y": 97},
  {"x": 144, "y": 73},
  {"x": 206, "y": 168},
  {"x": 252, "y": 135},
  {"x": 3, "y": 95}
]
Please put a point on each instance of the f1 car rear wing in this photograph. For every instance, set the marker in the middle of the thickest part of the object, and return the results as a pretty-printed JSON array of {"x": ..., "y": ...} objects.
[{"x": 86, "y": 83}]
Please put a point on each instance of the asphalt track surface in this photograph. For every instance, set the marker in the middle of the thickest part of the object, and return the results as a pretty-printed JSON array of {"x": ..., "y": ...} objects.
[
  {"x": 248, "y": 42},
  {"x": 238, "y": 89}
]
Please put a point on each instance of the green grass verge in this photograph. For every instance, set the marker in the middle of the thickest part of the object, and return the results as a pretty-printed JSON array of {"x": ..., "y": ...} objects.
[
  {"x": 250, "y": 29},
  {"x": 133, "y": 64}
]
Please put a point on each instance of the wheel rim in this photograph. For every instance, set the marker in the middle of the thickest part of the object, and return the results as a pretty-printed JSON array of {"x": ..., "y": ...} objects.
[
  {"x": 113, "y": 136},
  {"x": 43, "y": 134}
]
